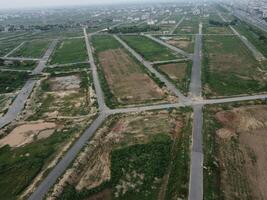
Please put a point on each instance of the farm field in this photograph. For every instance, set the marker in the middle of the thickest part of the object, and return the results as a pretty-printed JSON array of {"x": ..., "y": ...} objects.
[
  {"x": 59, "y": 110},
  {"x": 69, "y": 51},
  {"x": 229, "y": 68},
  {"x": 127, "y": 79},
  {"x": 12, "y": 81},
  {"x": 32, "y": 49},
  {"x": 178, "y": 73},
  {"x": 234, "y": 146},
  {"x": 139, "y": 156},
  {"x": 188, "y": 26},
  {"x": 185, "y": 42},
  {"x": 149, "y": 49}
]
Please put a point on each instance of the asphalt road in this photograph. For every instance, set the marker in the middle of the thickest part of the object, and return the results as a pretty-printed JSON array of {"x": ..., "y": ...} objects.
[
  {"x": 20, "y": 58},
  {"x": 196, "y": 171},
  {"x": 175, "y": 49},
  {"x": 195, "y": 84},
  {"x": 18, "y": 104},
  {"x": 42, "y": 64},
  {"x": 60, "y": 168},
  {"x": 147, "y": 64},
  {"x": 98, "y": 89}
]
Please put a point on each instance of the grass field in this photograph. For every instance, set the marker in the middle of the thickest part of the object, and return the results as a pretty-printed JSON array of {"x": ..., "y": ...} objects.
[
  {"x": 8, "y": 45},
  {"x": 234, "y": 141},
  {"x": 149, "y": 156},
  {"x": 12, "y": 81},
  {"x": 123, "y": 75},
  {"x": 209, "y": 28},
  {"x": 229, "y": 68},
  {"x": 254, "y": 35},
  {"x": 32, "y": 49},
  {"x": 69, "y": 68},
  {"x": 178, "y": 73},
  {"x": 188, "y": 26},
  {"x": 149, "y": 49},
  {"x": 70, "y": 51}
]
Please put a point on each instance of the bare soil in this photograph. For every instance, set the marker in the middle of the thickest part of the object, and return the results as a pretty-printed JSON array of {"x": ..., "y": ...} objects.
[
  {"x": 243, "y": 164},
  {"x": 65, "y": 83},
  {"x": 126, "y": 79},
  {"x": 176, "y": 71},
  {"x": 27, "y": 133}
]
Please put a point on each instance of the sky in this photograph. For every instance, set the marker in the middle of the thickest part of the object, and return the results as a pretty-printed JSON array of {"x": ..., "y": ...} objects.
[{"x": 43, "y": 3}]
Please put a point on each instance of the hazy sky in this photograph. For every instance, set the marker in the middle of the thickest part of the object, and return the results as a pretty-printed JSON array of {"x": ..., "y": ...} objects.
[{"x": 41, "y": 3}]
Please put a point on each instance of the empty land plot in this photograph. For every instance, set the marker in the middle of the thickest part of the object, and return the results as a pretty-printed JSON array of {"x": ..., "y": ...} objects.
[
  {"x": 65, "y": 95},
  {"x": 12, "y": 81},
  {"x": 235, "y": 141},
  {"x": 70, "y": 51},
  {"x": 179, "y": 73},
  {"x": 256, "y": 36},
  {"x": 5, "y": 100},
  {"x": 149, "y": 49},
  {"x": 126, "y": 78},
  {"x": 136, "y": 156},
  {"x": 68, "y": 68},
  {"x": 185, "y": 42},
  {"x": 230, "y": 68},
  {"x": 32, "y": 49},
  {"x": 188, "y": 26}
]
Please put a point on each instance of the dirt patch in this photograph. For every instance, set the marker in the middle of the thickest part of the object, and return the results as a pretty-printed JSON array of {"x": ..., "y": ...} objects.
[
  {"x": 126, "y": 79},
  {"x": 65, "y": 83},
  {"x": 243, "y": 161},
  {"x": 27, "y": 133},
  {"x": 176, "y": 71}
]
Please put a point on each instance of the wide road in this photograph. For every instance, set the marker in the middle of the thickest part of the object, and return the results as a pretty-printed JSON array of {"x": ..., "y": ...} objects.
[
  {"x": 175, "y": 49},
  {"x": 99, "y": 93},
  {"x": 18, "y": 104},
  {"x": 20, "y": 58},
  {"x": 195, "y": 84},
  {"x": 42, "y": 64},
  {"x": 147, "y": 64},
  {"x": 60, "y": 168}
]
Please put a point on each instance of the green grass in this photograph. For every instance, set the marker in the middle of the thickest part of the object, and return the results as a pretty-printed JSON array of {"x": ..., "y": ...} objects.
[
  {"x": 19, "y": 166},
  {"x": 8, "y": 45},
  {"x": 12, "y": 81},
  {"x": 229, "y": 68},
  {"x": 256, "y": 36},
  {"x": 150, "y": 159},
  {"x": 70, "y": 51},
  {"x": 104, "y": 42},
  {"x": 149, "y": 49},
  {"x": 189, "y": 25},
  {"x": 32, "y": 49}
]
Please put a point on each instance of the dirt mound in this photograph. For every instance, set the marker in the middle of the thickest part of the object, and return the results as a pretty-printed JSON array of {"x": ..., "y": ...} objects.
[
  {"x": 27, "y": 133},
  {"x": 65, "y": 83}
]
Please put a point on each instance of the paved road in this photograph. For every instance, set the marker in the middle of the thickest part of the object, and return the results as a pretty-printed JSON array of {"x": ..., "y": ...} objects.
[
  {"x": 175, "y": 49},
  {"x": 195, "y": 84},
  {"x": 177, "y": 25},
  {"x": 169, "y": 61},
  {"x": 20, "y": 58},
  {"x": 99, "y": 93},
  {"x": 196, "y": 169},
  {"x": 14, "y": 49},
  {"x": 147, "y": 64},
  {"x": 257, "y": 54},
  {"x": 18, "y": 104},
  {"x": 68, "y": 64},
  {"x": 60, "y": 168},
  {"x": 42, "y": 64}
]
